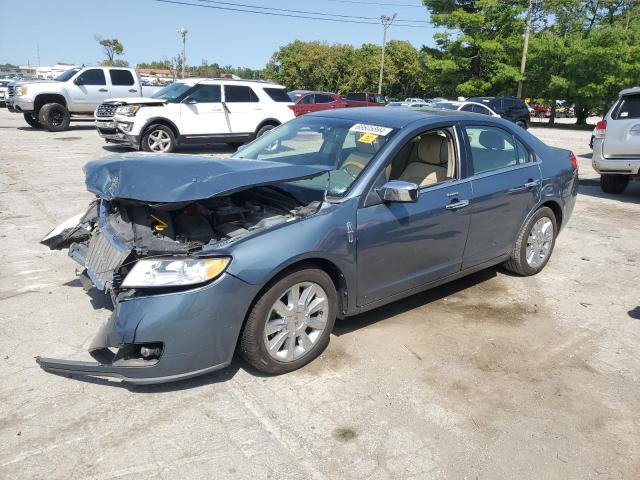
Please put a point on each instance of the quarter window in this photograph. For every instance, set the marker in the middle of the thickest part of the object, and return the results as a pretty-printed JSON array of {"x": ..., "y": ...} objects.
[
  {"x": 359, "y": 97},
  {"x": 322, "y": 98},
  {"x": 121, "y": 78},
  {"x": 491, "y": 148},
  {"x": 629, "y": 108},
  {"x": 95, "y": 76},
  {"x": 523, "y": 154},
  {"x": 239, "y": 93},
  {"x": 278, "y": 94}
]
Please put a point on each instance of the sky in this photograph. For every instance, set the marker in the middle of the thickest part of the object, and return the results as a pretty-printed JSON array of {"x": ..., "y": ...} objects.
[{"x": 64, "y": 30}]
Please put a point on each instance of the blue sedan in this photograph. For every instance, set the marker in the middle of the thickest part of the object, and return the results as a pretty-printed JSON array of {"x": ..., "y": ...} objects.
[{"x": 327, "y": 216}]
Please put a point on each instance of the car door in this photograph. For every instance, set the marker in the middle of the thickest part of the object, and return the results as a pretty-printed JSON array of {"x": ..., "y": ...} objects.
[
  {"x": 622, "y": 138},
  {"x": 243, "y": 108},
  {"x": 322, "y": 101},
  {"x": 88, "y": 90},
  {"x": 123, "y": 84},
  {"x": 401, "y": 246},
  {"x": 304, "y": 104},
  {"x": 202, "y": 113},
  {"x": 506, "y": 183}
]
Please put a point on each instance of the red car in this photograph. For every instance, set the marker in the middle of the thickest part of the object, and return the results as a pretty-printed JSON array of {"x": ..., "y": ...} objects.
[
  {"x": 306, "y": 102},
  {"x": 364, "y": 99}
]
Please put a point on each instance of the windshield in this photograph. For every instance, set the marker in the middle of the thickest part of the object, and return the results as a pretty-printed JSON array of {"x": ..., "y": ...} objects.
[
  {"x": 346, "y": 146},
  {"x": 445, "y": 105},
  {"x": 64, "y": 76},
  {"x": 171, "y": 92}
]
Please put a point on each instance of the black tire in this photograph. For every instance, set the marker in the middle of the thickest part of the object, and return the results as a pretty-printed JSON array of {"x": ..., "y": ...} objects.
[
  {"x": 32, "y": 120},
  {"x": 522, "y": 123},
  {"x": 161, "y": 131},
  {"x": 613, "y": 183},
  {"x": 591, "y": 142},
  {"x": 518, "y": 261},
  {"x": 54, "y": 117},
  {"x": 252, "y": 346},
  {"x": 264, "y": 129}
]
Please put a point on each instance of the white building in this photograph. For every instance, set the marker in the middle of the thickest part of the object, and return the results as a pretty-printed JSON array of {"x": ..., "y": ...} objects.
[{"x": 49, "y": 73}]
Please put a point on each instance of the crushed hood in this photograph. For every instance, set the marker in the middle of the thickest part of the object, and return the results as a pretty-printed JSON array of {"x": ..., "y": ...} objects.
[
  {"x": 185, "y": 178},
  {"x": 135, "y": 100}
]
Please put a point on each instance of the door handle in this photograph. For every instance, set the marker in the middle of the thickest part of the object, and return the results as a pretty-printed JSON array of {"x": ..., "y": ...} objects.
[
  {"x": 457, "y": 205},
  {"x": 133, "y": 90},
  {"x": 103, "y": 90},
  {"x": 258, "y": 108},
  {"x": 527, "y": 186}
]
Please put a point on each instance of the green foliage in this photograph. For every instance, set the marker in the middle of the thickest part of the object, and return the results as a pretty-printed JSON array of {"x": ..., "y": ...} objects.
[{"x": 111, "y": 48}]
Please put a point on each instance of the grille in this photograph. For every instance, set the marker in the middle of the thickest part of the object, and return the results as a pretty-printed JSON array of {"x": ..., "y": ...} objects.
[
  {"x": 102, "y": 259},
  {"x": 106, "y": 110},
  {"x": 11, "y": 90}
]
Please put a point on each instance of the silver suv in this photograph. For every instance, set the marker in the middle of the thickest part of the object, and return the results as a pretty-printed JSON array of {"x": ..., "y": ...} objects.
[{"x": 616, "y": 143}]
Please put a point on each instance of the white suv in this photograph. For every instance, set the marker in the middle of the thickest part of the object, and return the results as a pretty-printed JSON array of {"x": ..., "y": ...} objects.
[
  {"x": 196, "y": 111},
  {"x": 616, "y": 143}
]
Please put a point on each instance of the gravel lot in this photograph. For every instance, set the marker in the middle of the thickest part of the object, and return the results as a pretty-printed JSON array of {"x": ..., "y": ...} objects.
[{"x": 490, "y": 377}]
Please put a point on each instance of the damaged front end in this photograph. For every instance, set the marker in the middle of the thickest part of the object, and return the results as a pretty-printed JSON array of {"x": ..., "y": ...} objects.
[{"x": 176, "y": 312}]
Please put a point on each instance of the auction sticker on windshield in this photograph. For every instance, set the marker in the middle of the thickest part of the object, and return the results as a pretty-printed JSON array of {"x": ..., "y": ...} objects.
[{"x": 375, "y": 129}]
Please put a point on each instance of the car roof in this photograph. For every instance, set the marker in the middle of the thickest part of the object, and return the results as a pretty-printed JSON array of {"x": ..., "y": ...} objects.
[
  {"x": 395, "y": 117},
  {"x": 629, "y": 91},
  {"x": 239, "y": 81}
]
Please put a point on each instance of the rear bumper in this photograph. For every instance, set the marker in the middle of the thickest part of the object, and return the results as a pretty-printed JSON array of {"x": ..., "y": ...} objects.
[
  {"x": 629, "y": 166},
  {"x": 198, "y": 330}
]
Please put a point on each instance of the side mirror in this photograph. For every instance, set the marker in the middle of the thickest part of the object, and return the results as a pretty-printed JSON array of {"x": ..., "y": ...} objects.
[
  {"x": 78, "y": 80},
  {"x": 191, "y": 101},
  {"x": 399, "y": 191}
]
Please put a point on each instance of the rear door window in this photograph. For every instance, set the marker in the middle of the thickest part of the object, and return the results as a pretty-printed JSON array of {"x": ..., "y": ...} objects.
[
  {"x": 307, "y": 99},
  {"x": 360, "y": 97},
  {"x": 322, "y": 98},
  {"x": 239, "y": 93},
  {"x": 629, "y": 107},
  {"x": 121, "y": 78},
  {"x": 491, "y": 148}
]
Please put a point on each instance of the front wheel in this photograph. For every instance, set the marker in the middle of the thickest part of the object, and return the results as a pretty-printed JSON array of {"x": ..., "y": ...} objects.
[
  {"x": 291, "y": 322},
  {"x": 54, "y": 117},
  {"x": 522, "y": 124},
  {"x": 264, "y": 129},
  {"x": 32, "y": 120},
  {"x": 158, "y": 139},
  {"x": 534, "y": 244},
  {"x": 612, "y": 183}
]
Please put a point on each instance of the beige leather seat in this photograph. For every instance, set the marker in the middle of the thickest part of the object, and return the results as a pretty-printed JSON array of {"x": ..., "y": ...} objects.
[
  {"x": 431, "y": 163},
  {"x": 362, "y": 154}
]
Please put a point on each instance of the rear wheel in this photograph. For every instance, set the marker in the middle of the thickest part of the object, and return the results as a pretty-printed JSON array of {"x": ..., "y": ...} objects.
[
  {"x": 31, "y": 119},
  {"x": 264, "y": 129},
  {"x": 612, "y": 183},
  {"x": 534, "y": 244},
  {"x": 291, "y": 322},
  {"x": 54, "y": 117},
  {"x": 158, "y": 139}
]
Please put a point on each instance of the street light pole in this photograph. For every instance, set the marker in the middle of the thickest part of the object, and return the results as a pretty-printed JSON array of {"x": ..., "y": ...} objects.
[
  {"x": 386, "y": 23},
  {"x": 525, "y": 48},
  {"x": 183, "y": 31}
]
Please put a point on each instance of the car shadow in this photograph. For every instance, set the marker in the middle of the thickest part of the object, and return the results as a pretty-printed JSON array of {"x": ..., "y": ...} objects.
[
  {"x": 342, "y": 327},
  {"x": 363, "y": 320},
  {"x": 71, "y": 128},
  {"x": 97, "y": 298},
  {"x": 586, "y": 155},
  {"x": 591, "y": 188}
]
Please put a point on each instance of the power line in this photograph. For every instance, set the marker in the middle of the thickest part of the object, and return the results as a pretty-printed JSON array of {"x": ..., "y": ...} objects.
[
  {"x": 305, "y": 12},
  {"x": 258, "y": 12},
  {"x": 378, "y": 3}
]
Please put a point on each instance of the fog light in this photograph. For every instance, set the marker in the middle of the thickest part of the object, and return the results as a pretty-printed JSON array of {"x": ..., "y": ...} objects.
[
  {"x": 149, "y": 352},
  {"x": 125, "y": 126}
]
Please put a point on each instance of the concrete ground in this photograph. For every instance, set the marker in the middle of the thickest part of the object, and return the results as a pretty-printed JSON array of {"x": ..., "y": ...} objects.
[{"x": 491, "y": 377}]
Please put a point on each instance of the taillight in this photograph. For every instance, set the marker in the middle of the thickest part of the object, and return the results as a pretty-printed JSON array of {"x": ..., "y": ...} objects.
[
  {"x": 292, "y": 107},
  {"x": 601, "y": 128},
  {"x": 574, "y": 162}
]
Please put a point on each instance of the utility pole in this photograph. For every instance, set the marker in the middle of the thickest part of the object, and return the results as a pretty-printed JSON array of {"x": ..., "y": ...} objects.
[
  {"x": 527, "y": 30},
  {"x": 386, "y": 23},
  {"x": 183, "y": 31}
]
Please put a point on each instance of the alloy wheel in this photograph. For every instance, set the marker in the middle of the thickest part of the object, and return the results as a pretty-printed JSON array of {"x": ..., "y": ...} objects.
[
  {"x": 539, "y": 242},
  {"x": 159, "y": 141},
  {"x": 296, "y": 321}
]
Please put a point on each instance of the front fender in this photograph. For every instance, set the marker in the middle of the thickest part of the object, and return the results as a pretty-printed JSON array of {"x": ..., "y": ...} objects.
[{"x": 322, "y": 235}]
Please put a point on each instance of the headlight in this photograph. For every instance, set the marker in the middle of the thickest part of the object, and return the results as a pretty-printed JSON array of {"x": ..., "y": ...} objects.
[
  {"x": 128, "y": 110},
  {"x": 22, "y": 90},
  {"x": 174, "y": 272}
]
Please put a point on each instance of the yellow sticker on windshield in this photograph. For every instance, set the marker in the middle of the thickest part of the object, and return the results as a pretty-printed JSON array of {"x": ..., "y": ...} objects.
[{"x": 368, "y": 138}]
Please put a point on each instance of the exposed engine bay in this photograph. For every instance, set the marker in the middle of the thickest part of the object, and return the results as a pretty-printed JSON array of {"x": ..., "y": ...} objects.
[{"x": 137, "y": 230}]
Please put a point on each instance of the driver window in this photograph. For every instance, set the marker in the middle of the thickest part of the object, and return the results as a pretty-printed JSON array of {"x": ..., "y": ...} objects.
[
  {"x": 427, "y": 159},
  {"x": 206, "y": 94}
]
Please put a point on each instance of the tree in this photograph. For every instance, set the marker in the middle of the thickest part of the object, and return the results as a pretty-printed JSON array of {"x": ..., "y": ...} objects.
[{"x": 111, "y": 48}]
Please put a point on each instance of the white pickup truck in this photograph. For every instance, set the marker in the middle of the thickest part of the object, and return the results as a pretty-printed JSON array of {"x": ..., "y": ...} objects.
[{"x": 49, "y": 104}]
